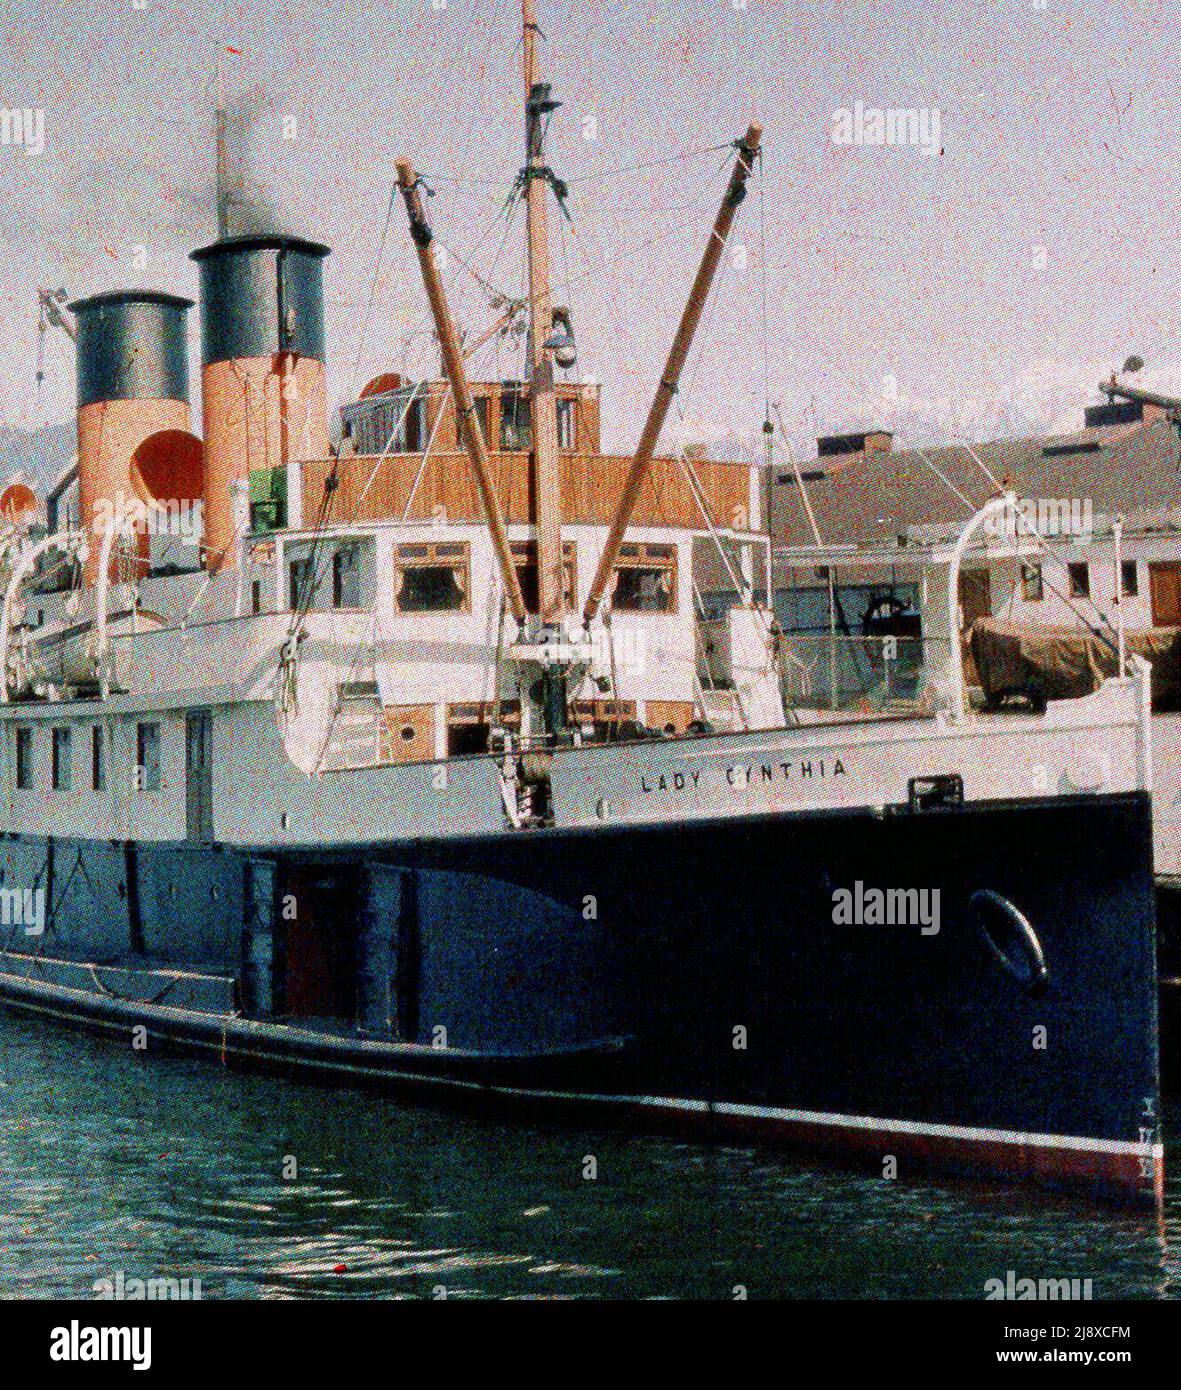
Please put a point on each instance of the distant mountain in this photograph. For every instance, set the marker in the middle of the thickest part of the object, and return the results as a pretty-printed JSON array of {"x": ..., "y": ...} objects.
[
  {"x": 1047, "y": 398},
  {"x": 41, "y": 456}
]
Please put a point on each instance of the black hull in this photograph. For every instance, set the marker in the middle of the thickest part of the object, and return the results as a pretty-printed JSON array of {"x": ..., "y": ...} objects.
[{"x": 689, "y": 975}]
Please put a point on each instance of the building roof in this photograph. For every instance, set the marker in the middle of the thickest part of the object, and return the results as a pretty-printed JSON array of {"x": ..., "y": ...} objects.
[{"x": 879, "y": 498}]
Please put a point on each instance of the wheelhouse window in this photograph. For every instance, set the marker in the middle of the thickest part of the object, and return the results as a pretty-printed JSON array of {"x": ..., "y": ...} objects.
[
  {"x": 147, "y": 757},
  {"x": 433, "y": 577},
  {"x": 385, "y": 426},
  {"x": 24, "y": 758},
  {"x": 1129, "y": 579},
  {"x": 346, "y": 577},
  {"x": 62, "y": 760},
  {"x": 1032, "y": 589},
  {"x": 408, "y": 438},
  {"x": 567, "y": 431},
  {"x": 646, "y": 579},
  {"x": 98, "y": 759},
  {"x": 481, "y": 407},
  {"x": 525, "y": 563},
  {"x": 398, "y": 427},
  {"x": 1080, "y": 579},
  {"x": 516, "y": 424}
]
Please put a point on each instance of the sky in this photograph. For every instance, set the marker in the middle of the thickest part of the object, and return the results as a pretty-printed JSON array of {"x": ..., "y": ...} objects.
[{"x": 979, "y": 288}]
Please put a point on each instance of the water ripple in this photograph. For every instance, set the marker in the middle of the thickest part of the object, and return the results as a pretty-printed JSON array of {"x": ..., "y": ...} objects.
[{"x": 265, "y": 1189}]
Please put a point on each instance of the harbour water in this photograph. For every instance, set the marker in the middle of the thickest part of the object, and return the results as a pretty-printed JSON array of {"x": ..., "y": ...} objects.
[{"x": 160, "y": 1167}]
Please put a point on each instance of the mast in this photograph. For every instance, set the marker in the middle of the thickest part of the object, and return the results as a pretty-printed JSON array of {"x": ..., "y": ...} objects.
[
  {"x": 748, "y": 148},
  {"x": 543, "y": 407},
  {"x": 452, "y": 353},
  {"x": 222, "y": 193}
]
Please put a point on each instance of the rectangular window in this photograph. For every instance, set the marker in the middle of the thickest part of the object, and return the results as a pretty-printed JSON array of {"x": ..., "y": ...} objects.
[
  {"x": 467, "y": 730},
  {"x": 516, "y": 430},
  {"x": 98, "y": 759},
  {"x": 1031, "y": 583},
  {"x": 410, "y": 436},
  {"x": 355, "y": 435},
  {"x": 24, "y": 759},
  {"x": 567, "y": 433},
  {"x": 300, "y": 575},
  {"x": 1080, "y": 579},
  {"x": 256, "y": 595},
  {"x": 346, "y": 578},
  {"x": 646, "y": 579},
  {"x": 147, "y": 757},
  {"x": 371, "y": 431},
  {"x": 382, "y": 428},
  {"x": 62, "y": 760},
  {"x": 1129, "y": 578},
  {"x": 433, "y": 578},
  {"x": 481, "y": 404},
  {"x": 525, "y": 563}
]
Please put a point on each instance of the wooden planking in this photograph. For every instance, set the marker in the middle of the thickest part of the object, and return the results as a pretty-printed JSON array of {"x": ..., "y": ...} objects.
[
  {"x": 591, "y": 485},
  {"x": 410, "y": 733},
  {"x": 586, "y": 420},
  {"x": 669, "y": 716}
]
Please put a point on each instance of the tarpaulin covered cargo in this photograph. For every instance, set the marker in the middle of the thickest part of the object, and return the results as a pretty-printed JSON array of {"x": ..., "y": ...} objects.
[{"x": 1062, "y": 663}]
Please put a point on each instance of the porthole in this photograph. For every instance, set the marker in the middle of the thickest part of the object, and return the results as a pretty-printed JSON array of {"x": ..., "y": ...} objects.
[{"x": 1010, "y": 938}]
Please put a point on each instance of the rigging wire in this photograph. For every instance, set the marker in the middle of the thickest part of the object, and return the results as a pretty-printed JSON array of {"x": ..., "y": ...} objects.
[
  {"x": 972, "y": 507},
  {"x": 1038, "y": 539},
  {"x": 682, "y": 158},
  {"x": 317, "y": 563},
  {"x": 389, "y": 212},
  {"x": 763, "y": 287},
  {"x": 422, "y": 325}
]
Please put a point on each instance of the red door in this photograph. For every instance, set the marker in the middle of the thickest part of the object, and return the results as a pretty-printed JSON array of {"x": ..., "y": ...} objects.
[
  {"x": 319, "y": 916},
  {"x": 1165, "y": 583}
]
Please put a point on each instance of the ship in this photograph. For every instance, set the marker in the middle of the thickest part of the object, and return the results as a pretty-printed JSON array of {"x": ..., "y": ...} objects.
[{"x": 419, "y": 766}]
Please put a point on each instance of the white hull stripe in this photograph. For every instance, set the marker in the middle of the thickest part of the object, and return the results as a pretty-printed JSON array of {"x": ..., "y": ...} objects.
[{"x": 818, "y": 1117}]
